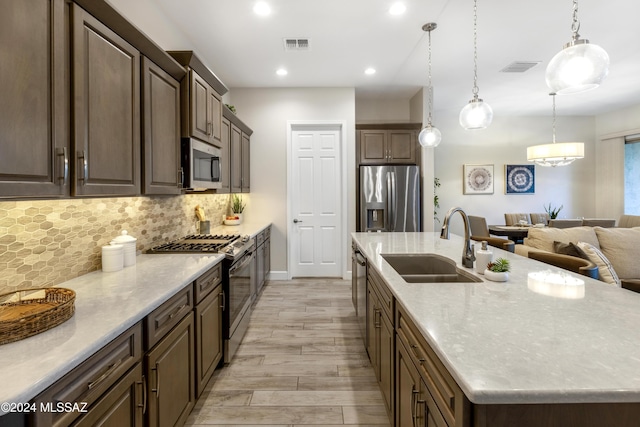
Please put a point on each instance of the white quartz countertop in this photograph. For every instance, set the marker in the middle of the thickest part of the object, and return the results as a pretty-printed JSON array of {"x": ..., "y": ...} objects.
[
  {"x": 106, "y": 304},
  {"x": 520, "y": 341}
]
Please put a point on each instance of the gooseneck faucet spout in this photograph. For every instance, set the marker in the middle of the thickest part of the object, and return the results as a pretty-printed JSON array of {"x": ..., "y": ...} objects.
[{"x": 467, "y": 253}]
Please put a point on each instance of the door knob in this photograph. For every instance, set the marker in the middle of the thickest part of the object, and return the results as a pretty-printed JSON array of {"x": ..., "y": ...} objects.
[{"x": 295, "y": 221}]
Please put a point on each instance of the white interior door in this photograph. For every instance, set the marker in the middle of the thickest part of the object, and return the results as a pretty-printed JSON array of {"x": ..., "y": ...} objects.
[{"x": 315, "y": 203}]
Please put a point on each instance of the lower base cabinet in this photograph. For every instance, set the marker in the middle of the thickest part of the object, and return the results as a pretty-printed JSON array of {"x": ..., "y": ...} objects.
[
  {"x": 122, "y": 406},
  {"x": 208, "y": 337},
  {"x": 171, "y": 376}
]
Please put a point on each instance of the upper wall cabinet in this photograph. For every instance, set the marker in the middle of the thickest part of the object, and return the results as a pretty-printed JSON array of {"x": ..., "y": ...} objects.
[
  {"x": 388, "y": 144},
  {"x": 240, "y": 154},
  {"x": 34, "y": 134},
  {"x": 161, "y": 131},
  {"x": 106, "y": 109},
  {"x": 201, "y": 100}
]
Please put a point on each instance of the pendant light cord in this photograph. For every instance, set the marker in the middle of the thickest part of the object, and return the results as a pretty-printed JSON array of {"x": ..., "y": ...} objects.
[
  {"x": 475, "y": 50},
  {"x": 575, "y": 24},
  {"x": 430, "y": 91}
]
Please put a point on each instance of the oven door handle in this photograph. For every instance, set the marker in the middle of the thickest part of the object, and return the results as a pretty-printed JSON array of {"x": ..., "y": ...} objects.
[{"x": 246, "y": 260}]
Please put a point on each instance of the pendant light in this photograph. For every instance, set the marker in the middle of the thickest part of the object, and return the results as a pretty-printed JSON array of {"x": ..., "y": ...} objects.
[
  {"x": 556, "y": 153},
  {"x": 579, "y": 66},
  {"x": 429, "y": 136},
  {"x": 477, "y": 114}
]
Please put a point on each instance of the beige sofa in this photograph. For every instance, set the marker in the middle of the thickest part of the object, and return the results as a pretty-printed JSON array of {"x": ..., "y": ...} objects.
[{"x": 618, "y": 245}]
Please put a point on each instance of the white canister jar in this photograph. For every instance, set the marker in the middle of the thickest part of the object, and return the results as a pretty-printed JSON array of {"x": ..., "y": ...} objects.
[
  {"x": 112, "y": 258},
  {"x": 129, "y": 246}
]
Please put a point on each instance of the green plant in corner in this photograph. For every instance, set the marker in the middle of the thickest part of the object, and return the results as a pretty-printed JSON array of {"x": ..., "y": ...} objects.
[
  {"x": 500, "y": 265},
  {"x": 553, "y": 212},
  {"x": 436, "y": 201},
  {"x": 236, "y": 204},
  {"x": 231, "y": 107}
]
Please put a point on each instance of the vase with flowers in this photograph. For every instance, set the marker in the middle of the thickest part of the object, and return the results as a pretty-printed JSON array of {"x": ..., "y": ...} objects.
[{"x": 237, "y": 211}]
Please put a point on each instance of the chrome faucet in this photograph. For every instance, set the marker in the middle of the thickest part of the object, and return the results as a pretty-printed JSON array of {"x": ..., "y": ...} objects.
[{"x": 467, "y": 253}]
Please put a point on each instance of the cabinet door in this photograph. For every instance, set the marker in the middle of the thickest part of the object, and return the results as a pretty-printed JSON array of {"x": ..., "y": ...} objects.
[
  {"x": 428, "y": 410},
  {"x": 161, "y": 126},
  {"x": 106, "y": 108},
  {"x": 246, "y": 163},
  {"x": 267, "y": 258},
  {"x": 408, "y": 390},
  {"x": 200, "y": 108},
  {"x": 401, "y": 146},
  {"x": 215, "y": 116},
  {"x": 236, "y": 159},
  {"x": 33, "y": 110},
  {"x": 208, "y": 338},
  {"x": 170, "y": 375},
  {"x": 225, "y": 155},
  {"x": 373, "y": 332},
  {"x": 373, "y": 147},
  {"x": 386, "y": 359},
  {"x": 121, "y": 406}
]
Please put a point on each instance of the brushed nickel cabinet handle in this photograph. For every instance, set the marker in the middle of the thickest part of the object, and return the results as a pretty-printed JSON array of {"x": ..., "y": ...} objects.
[
  {"x": 143, "y": 405},
  {"x": 157, "y": 389},
  {"x": 224, "y": 302},
  {"x": 102, "y": 377},
  {"x": 62, "y": 152},
  {"x": 84, "y": 169}
]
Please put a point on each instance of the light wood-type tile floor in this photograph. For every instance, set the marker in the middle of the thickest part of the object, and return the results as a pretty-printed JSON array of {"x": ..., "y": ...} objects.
[{"x": 301, "y": 363}]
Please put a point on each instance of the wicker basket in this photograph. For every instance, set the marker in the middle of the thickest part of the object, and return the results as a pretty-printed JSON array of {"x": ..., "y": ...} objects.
[{"x": 28, "y": 312}]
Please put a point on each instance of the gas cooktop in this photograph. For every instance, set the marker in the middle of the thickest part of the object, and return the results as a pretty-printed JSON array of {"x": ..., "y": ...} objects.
[{"x": 230, "y": 245}]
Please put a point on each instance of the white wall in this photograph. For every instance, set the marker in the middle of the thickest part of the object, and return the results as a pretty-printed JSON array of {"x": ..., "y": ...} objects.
[
  {"x": 505, "y": 142},
  {"x": 267, "y": 111}
]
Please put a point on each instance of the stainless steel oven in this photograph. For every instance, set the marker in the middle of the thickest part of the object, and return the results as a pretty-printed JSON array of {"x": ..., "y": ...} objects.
[{"x": 241, "y": 271}]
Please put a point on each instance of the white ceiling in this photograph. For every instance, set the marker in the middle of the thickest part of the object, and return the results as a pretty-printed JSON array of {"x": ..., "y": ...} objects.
[{"x": 347, "y": 36}]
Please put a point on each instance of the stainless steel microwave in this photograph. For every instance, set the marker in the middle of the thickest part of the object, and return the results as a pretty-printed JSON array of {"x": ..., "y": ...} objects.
[{"x": 201, "y": 165}]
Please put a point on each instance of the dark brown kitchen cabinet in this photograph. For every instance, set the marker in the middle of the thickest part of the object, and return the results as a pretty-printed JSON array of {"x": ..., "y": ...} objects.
[
  {"x": 263, "y": 258},
  {"x": 101, "y": 383},
  {"x": 225, "y": 154},
  {"x": 170, "y": 376},
  {"x": 121, "y": 406},
  {"x": 106, "y": 109},
  {"x": 240, "y": 153},
  {"x": 208, "y": 325},
  {"x": 408, "y": 390},
  {"x": 388, "y": 144},
  {"x": 201, "y": 99},
  {"x": 381, "y": 337},
  {"x": 161, "y": 131},
  {"x": 34, "y": 131}
]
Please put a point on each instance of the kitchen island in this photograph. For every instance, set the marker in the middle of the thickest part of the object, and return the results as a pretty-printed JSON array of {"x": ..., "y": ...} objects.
[{"x": 525, "y": 343}]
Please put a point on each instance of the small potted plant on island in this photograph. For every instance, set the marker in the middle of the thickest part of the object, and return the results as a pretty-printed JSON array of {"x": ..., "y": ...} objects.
[
  {"x": 237, "y": 209},
  {"x": 497, "y": 270}
]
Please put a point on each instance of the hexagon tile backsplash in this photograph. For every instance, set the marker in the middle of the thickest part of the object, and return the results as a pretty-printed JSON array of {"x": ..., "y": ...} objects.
[{"x": 47, "y": 242}]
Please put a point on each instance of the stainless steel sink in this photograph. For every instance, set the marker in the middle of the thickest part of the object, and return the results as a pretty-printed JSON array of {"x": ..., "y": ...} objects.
[{"x": 428, "y": 268}]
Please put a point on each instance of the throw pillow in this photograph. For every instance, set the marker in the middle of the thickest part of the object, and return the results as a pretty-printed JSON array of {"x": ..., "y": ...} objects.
[
  {"x": 620, "y": 245},
  {"x": 569, "y": 249},
  {"x": 605, "y": 269}
]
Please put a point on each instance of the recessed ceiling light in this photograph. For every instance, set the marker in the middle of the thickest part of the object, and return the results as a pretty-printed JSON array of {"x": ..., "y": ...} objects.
[
  {"x": 397, "y": 8},
  {"x": 370, "y": 71},
  {"x": 262, "y": 8},
  {"x": 282, "y": 72}
]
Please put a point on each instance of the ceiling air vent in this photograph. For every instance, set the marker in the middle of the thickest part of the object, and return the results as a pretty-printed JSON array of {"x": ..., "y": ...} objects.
[
  {"x": 519, "y": 66},
  {"x": 292, "y": 44}
]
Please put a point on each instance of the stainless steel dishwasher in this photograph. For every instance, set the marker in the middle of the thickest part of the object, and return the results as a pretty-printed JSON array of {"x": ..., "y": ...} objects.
[{"x": 359, "y": 288}]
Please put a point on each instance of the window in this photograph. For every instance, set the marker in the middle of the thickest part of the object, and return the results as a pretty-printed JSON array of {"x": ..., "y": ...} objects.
[{"x": 632, "y": 175}]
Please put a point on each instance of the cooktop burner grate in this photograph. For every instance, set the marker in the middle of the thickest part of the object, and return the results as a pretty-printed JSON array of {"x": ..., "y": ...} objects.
[{"x": 196, "y": 243}]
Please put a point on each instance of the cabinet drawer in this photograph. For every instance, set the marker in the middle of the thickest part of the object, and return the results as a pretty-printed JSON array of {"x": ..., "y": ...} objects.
[
  {"x": 386, "y": 298},
  {"x": 87, "y": 382},
  {"x": 161, "y": 320},
  {"x": 207, "y": 282},
  {"x": 445, "y": 391},
  {"x": 260, "y": 238}
]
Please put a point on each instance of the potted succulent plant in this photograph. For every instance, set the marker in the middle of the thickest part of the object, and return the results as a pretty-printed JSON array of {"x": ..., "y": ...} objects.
[
  {"x": 237, "y": 209},
  {"x": 497, "y": 270},
  {"x": 553, "y": 212}
]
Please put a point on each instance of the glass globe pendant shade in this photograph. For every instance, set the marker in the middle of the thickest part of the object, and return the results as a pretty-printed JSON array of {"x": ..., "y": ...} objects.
[
  {"x": 429, "y": 136},
  {"x": 579, "y": 67},
  {"x": 477, "y": 114}
]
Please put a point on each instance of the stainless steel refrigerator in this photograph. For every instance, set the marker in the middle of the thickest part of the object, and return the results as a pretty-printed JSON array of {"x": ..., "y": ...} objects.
[{"x": 390, "y": 198}]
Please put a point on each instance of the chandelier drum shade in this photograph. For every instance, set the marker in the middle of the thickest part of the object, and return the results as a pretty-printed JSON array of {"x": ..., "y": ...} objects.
[
  {"x": 556, "y": 153},
  {"x": 579, "y": 66},
  {"x": 477, "y": 114},
  {"x": 429, "y": 136}
]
